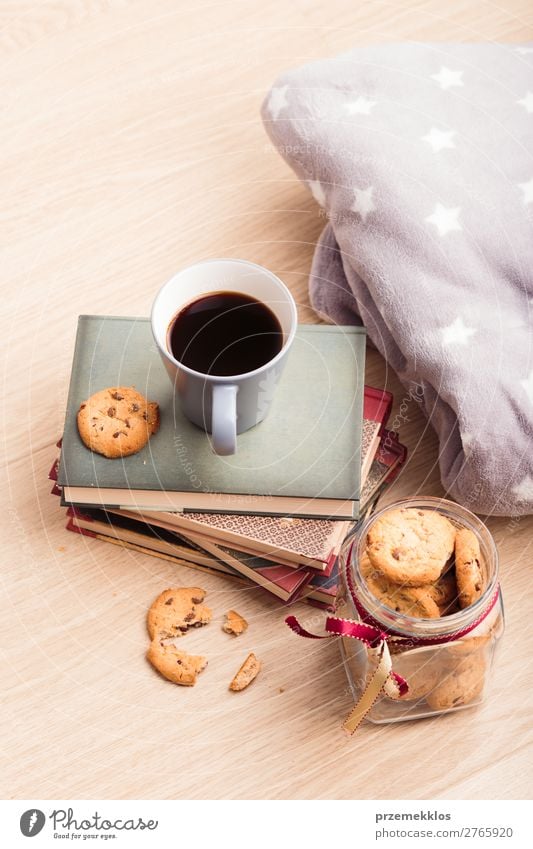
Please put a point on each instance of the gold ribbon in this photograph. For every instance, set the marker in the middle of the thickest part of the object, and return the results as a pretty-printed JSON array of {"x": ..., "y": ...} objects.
[{"x": 379, "y": 681}]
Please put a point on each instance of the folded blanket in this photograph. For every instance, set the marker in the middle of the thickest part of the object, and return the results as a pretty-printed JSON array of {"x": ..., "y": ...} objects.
[{"x": 421, "y": 157}]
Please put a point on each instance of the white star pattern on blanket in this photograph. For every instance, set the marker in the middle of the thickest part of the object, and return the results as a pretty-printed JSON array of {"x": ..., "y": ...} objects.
[
  {"x": 527, "y": 386},
  {"x": 361, "y": 106},
  {"x": 423, "y": 154},
  {"x": 439, "y": 139},
  {"x": 447, "y": 79},
  {"x": 527, "y": 102},
  {"x": 317, "y": 191},
  {"x": 524, "y": 490},
  {"x": 467, "y": 440},
  {"x": 278, "y": 101},
  {"x": 445, "y": 219},
  {"x": 527, "y": 188},
  {"x": 363, "y": 203},
  {"x": 457, "y": 333}
]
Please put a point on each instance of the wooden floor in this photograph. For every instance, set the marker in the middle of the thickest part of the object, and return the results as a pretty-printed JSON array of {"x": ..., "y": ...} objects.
[{"x": 132, "y": 146}]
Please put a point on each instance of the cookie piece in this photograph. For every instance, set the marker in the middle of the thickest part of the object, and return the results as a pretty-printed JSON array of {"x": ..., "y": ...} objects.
[
  {"x": 177, "y": 666},
  {"x": 246, "y": 674},
  {"x": 234, "y": 623},
  {"x": 409, "y": 601},
  {"x": 176, "y": 610},
  {"x": 468, "y": 567},
  {"x": 444, "y": 592},
  {"x": 420, "y": 669},
  {"x": 373, "y": 578},
  {"x": 459, "y": 687},
  {"x": 450, "y": 608},
  {"x": 117, "y": 422},
  {"x": 411, "y": 546},
  {"x": 465, "y": 646}
]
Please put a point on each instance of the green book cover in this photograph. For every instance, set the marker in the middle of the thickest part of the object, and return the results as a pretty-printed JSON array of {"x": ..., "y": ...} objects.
[{"x": 309, "y": 445}]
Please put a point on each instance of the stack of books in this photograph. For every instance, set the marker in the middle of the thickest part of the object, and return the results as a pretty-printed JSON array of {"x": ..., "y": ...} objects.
[{"x": 277, "y": 512}]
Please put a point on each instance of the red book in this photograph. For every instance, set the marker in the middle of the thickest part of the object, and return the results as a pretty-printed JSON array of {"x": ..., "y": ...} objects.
[{"x": 377, "y": 406}]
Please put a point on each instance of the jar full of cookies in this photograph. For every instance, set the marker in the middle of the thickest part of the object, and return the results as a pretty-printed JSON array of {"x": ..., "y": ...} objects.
[{"x": 424, "y": 573}]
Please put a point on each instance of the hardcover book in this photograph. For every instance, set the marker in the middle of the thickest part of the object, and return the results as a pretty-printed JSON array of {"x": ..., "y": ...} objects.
[
  {"x": 213, "y": 567},
  {"x": 386, "y": 466},
  {"x": 287, "y": 583},
  {"x": 323, "y": 588},
  {"x": 283, "y": 582},
  {"x": 312, "y": 542},
  {"x": 303, "y": 459},
  {"x": 377, "y": 406},
  {"x": 289, "y": 540}
]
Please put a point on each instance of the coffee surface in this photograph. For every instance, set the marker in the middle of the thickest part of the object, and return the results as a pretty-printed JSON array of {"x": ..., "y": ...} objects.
[{"x": 225, "y": 333}]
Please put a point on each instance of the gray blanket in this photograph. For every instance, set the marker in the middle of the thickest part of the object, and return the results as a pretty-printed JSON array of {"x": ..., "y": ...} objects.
[{"x": 421, "y": 157}]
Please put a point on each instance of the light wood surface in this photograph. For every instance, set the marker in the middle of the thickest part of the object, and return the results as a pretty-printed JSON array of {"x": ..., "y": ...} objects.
[{"x": 132, "y": 146}]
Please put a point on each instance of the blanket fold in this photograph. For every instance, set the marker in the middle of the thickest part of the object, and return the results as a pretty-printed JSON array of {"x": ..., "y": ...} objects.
[{"x": 420, "y": 156}]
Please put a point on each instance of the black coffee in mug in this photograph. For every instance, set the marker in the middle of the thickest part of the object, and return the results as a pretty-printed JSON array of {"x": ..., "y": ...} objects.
[{"x": 225, "y": 333}]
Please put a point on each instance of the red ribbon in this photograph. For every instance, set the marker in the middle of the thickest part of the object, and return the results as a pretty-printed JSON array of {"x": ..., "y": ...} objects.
[{"x": 416, "y": 641}]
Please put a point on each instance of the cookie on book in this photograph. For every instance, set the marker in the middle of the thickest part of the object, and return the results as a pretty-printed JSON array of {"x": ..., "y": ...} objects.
[
  {"x": 468, "y": 567},
  {"x": 411, "y": 546},
  {"x": 176, "y": 610},
  {"x": 246, "y": 674},
  {"x": 175, "y": 665},
  {"x": 234, "y": 623},
  {"x": 117, "y": 421}
]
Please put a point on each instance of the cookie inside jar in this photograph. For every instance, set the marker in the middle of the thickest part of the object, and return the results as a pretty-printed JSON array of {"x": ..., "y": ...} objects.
[{"x": 425, "y": 572}]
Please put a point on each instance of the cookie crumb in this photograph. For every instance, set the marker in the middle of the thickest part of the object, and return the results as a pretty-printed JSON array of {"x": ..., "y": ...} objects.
[{"x": 234, "y": 623}]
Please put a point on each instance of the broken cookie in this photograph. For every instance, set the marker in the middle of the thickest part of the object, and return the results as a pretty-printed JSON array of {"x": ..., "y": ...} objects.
[
  {"x": 175, "y": 665},
  {"x": 176, "y": 610}
]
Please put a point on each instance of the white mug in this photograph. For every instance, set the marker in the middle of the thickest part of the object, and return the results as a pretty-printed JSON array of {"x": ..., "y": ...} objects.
[{"x": 223, "y": 406}]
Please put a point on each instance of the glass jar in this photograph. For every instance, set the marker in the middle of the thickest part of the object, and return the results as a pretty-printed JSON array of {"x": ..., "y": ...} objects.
[{"x": 445, "y": 668}]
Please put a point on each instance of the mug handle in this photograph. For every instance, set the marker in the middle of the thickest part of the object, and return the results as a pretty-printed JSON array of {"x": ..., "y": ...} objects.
[{"x": 224, "y": 419}]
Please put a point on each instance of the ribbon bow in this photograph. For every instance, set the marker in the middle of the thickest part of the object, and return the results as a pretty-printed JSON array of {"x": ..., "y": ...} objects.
[{"x": 383, "y": 677}]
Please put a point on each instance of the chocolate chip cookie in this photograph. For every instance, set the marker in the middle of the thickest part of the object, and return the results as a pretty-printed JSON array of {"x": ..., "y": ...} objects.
[
  {"x": 117, "y": 421},
  {"x": 410, "y": 546},
  {"x": 444, "y": 592},
  {"x": 465, "y": 646},
  {"x": 468, "y": 567},
  {"x": 175, "y": 665},
  {"x": 459, "y": 687},
  {"x": 420, "y": 670},
  {"x": 408, "y": 601},
  {"x": 176, "y": 610}
]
